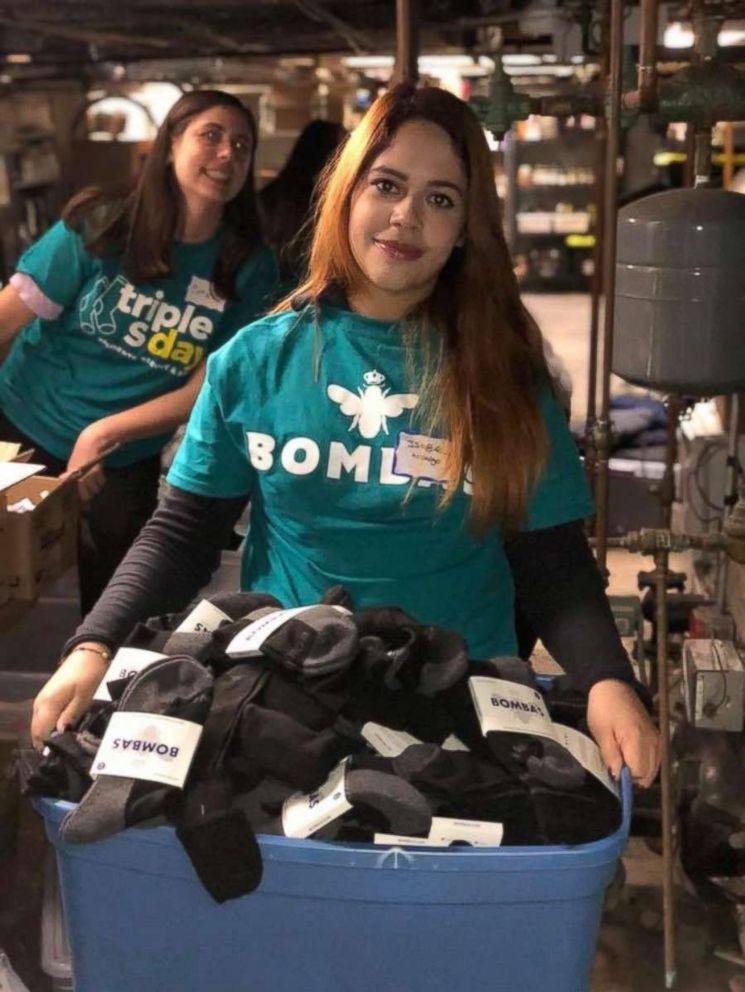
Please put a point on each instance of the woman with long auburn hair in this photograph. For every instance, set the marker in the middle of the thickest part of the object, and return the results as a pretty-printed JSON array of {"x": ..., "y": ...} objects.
[
  {"x": 395, "y": 427},
  {"x": 112, "y": 312}
]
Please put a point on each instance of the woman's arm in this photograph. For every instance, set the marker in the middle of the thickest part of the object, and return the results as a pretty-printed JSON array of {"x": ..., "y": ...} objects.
[
  {"x": 560, "y": 591},
  {"x": 157, "y": 416},
  {"x": 14, "y": 314},
  {"x": 173, "y": 557}
]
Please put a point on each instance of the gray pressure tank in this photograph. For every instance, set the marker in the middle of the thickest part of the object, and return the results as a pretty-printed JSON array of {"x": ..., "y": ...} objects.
[{"x": 680, "y": 292}]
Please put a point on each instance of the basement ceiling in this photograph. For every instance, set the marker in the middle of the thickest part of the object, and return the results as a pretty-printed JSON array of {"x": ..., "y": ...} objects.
[{"x": 70, "y": 37}]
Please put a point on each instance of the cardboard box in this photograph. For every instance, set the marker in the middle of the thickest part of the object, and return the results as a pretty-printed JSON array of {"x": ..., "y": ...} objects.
[
  {"x": 12, "y": 471},
  {"x": 41, "y": 543}
]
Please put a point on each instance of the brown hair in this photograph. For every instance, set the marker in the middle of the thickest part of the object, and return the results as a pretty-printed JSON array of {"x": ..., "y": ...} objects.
[
  {"x": 481, "y": 380},
  {"x": 141, "y": 223}
]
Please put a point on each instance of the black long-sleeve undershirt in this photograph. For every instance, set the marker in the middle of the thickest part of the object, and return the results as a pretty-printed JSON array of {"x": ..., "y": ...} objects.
[{"x": 557, "y": 584}]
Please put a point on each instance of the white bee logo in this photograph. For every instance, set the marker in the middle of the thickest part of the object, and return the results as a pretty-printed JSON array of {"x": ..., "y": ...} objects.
[{"x": 371, "y": 406}]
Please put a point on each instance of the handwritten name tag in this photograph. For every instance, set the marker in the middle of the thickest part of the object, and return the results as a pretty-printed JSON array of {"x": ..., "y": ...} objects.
[{"x": 421, "y": 457}]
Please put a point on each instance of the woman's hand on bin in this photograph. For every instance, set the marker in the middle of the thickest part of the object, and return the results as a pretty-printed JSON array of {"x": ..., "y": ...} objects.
[
  {"x": 623, "y": 730},
  {"x": 68, "y": 693}
]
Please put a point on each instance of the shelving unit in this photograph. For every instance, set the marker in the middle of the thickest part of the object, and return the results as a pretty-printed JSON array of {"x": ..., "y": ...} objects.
[
  {"x": 30, "y": 196},
  {"x": 548, "y": 210}
]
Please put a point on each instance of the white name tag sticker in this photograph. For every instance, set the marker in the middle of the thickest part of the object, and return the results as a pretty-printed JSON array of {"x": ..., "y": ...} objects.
[
  {"x": 147, "y": 746},
  {"x": 453, "y": 743},
  {"x": 249, "y": 640},
  {"x": 201, "y": 293},
  {"x": 587, "y": 753},
  {"x": 126, "y": 662},
  {"x": 304, "y": 814},
  {"x": 204, "y": 617},
  {"x": 479, "y": 833},
  {"x": 421, "y": 457},
  {"x": 507, "y": 706},
  {"x": 386, "y": 742}
]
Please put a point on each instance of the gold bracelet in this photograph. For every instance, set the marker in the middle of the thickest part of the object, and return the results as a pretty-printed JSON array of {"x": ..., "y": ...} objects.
[{"x": 103, "y": 653}]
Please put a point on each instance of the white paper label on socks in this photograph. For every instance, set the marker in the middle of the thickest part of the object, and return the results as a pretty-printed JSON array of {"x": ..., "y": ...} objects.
[
  {"x": 147, "y": 746},
  {"x": 204, "y": 617},
  {"x": 126, "y": 662},
  {"x": 304, "y": 814},
  {"x": 421, "y": 457},
  {"x": 479, "y": 833},
  {"x": 446, "y": 831},
  {"x": 387, "y": 742},
  {"x": 250, "y": 639},
  {"x": 587, "y": 753},
  {"x": 399, "y": 840},
  {"x": 453, "y": 743},
  {"x": 508, "y": 706}
]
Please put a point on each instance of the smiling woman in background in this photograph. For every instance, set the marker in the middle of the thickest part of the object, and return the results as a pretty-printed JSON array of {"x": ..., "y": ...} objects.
[
  {"x": 397, "y": 430},
  {"x": 113, "y": 311}
]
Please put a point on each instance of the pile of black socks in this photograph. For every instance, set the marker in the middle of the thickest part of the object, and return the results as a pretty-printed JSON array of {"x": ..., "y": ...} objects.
[{"x": 280, "y": 715}]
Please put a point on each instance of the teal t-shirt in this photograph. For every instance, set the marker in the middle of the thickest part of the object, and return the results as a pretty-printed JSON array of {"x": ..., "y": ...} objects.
[
  {"x": 317, "y": 421},
  {"x": 114, "y": 344}
]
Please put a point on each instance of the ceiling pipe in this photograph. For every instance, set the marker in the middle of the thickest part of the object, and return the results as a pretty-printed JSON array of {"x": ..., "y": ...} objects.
[
  {"x": 644, "y": 97},
  {"x": 407, "y": 43},
  {"x": 647, "y": 71}
]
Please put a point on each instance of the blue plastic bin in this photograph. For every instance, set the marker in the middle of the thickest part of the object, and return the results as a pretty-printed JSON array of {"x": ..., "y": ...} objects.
[{"x": 334, "y": 917}]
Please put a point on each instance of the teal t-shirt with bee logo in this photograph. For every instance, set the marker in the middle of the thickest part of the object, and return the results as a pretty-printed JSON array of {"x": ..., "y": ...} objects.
[
  {"x": 113, "y": 344},
  {"x": 315, "y": 416}
]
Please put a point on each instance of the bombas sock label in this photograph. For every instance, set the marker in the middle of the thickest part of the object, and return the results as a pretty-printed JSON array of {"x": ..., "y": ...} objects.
[
  {"x": 147, "y": 746},
  {"x": 303, "y": 815},
  {"x": 204, "y": 617},
  {"x": 125, "y": 663},
  {"x": 507, "y": 706}
]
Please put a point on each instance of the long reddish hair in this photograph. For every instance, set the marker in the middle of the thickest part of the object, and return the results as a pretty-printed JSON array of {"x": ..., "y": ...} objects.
[{"x": 481, "y": 380}]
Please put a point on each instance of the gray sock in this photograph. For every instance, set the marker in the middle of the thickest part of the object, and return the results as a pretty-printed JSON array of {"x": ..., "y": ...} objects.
[{"x": 178, "y": 687}]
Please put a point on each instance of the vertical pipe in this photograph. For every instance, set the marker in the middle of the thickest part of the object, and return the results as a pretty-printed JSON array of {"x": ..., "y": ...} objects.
[
  {"x": 689, "y": 147},
  {"x": 407, "y": 46},
  {"x": 596, "y": 285},
  {"x": 609, "y": 275},
  {"x": 661, "y": 623},
  {"x": 596, "y": 291},
  {"x": 702, "y": 156},
  {"x": 647, "y": 72},
  {"x": 667, "y": 487},
  {"x": 730, "y": 492},
  {"x": 729, "y": 154}
]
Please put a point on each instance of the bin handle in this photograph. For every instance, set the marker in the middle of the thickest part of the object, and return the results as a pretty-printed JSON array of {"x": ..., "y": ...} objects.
[
  {"x": 80, "y": 471},
  {"x": 627, "y": 799}
]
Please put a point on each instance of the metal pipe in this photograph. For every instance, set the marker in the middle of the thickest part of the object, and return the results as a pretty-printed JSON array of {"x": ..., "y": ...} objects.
[
  {"x": 728, "y": 150},
  {"x": 701, "y": 157},
  {"x": 667, "y": 486},
  {"x": 659, "y": 575},
  {"x": 730, "y": 493},
  {"x": 407, "y": 43},
  {"x": 690, "y": 154},
  {"x": 610, "y": 217},
  {"x": 647, "y": 71},
  {"x": 596, "y": 290},
  {"x": 596, "y": 284}
]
